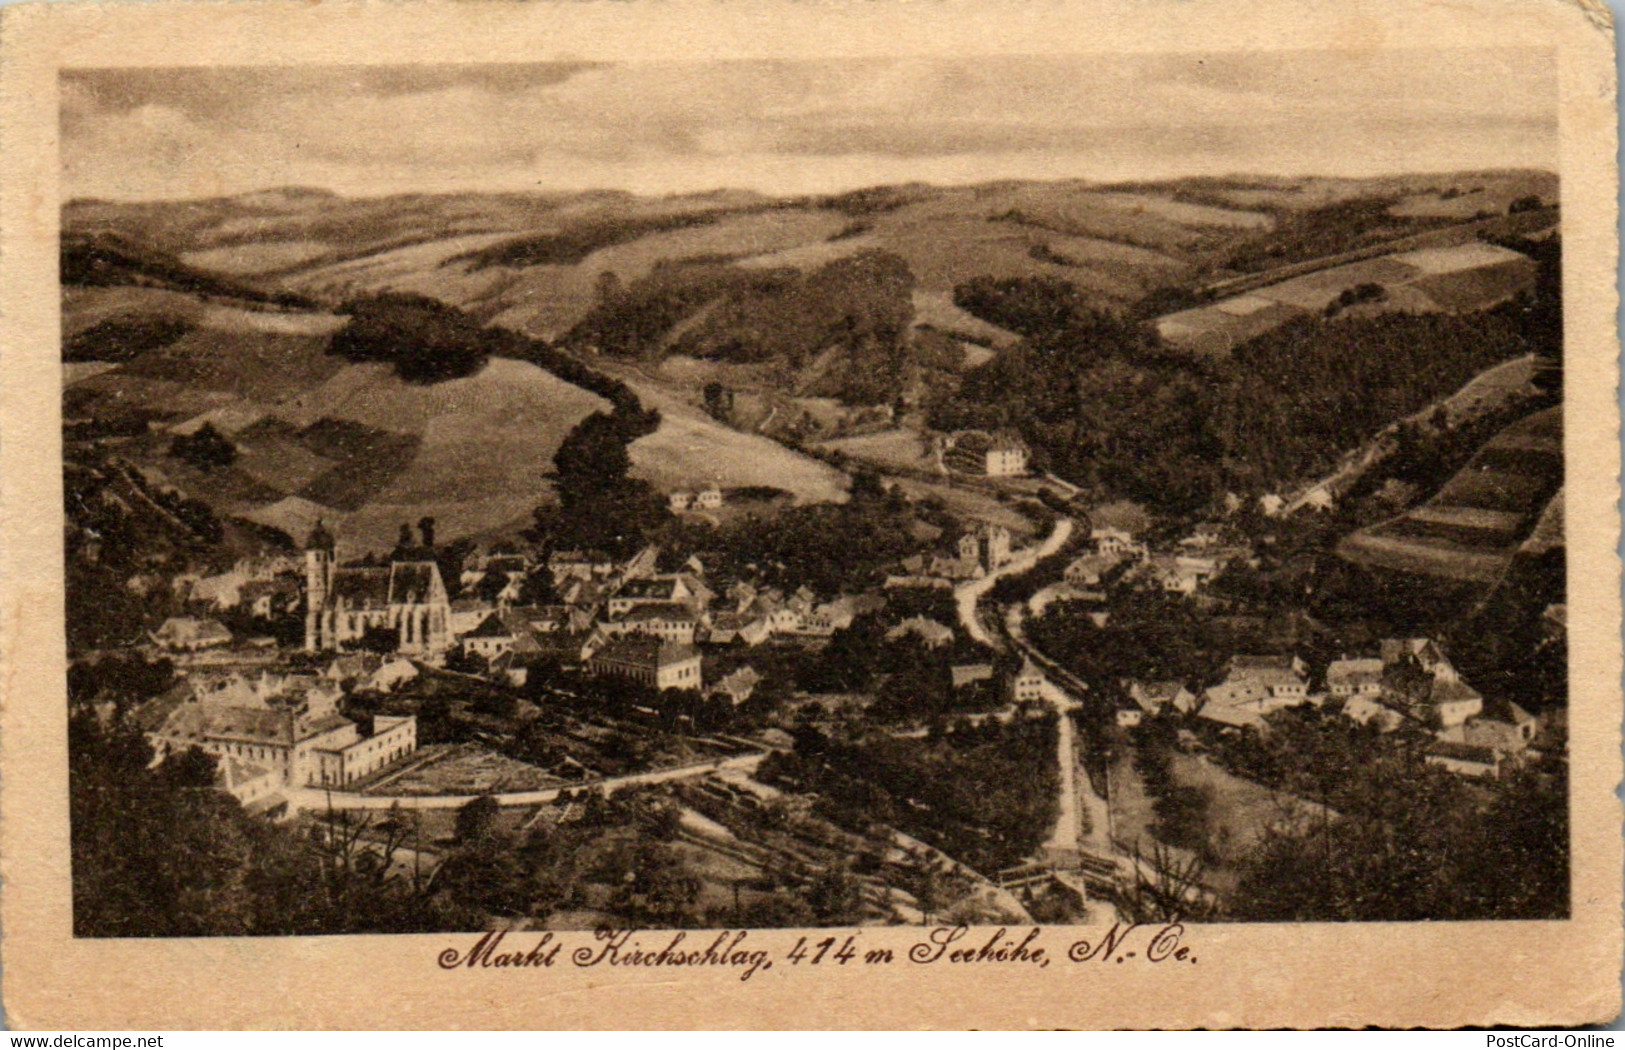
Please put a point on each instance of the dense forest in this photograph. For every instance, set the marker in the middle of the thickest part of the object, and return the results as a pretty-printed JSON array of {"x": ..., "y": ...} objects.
[{"x": 845, "y": 323}]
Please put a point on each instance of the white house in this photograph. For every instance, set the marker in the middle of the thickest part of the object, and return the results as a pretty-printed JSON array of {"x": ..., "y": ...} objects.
[
  {"x": 1029, "y": 684},
  {"x": 1001, "y": 455},
  {"x": 1357, "y": 677}
]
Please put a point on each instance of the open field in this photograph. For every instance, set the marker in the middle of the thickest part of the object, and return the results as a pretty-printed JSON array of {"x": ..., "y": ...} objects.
[
  {"x": 1471, "y": 528},
  {"x": 690, "y": 448},
  {"x": 256, "y": 257},
  {"x": 1186, "y": 214},
  {"x": 362, "y": 448},
  {"x": 897, "y": 448},
  {"x": 968, "y": 504},
  {"x": 937, "y": 310},
  {"x": 1456, "y": 278},
  {"x": 84, "y": 308}
]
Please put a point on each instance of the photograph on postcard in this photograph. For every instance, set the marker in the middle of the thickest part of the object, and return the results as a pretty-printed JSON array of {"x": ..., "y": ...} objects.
[{"x": 694, "y": 494}]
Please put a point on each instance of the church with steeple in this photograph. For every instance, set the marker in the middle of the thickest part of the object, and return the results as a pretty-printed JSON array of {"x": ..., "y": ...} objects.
[{"x": 344, "y": 603}]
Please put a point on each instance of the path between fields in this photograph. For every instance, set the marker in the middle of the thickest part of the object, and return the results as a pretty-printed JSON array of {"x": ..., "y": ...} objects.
[
  {"x": 316, "y": 799},
  {"x": 966, "y": 595}
]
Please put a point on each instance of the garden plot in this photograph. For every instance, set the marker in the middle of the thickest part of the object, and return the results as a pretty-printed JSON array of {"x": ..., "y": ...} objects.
[{"x": 467, "y": 769}]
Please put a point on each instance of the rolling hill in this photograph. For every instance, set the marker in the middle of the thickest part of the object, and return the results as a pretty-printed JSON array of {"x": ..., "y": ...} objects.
[
  {"x": 352, "y": 443},
  {"x": 822, "y": 317}
]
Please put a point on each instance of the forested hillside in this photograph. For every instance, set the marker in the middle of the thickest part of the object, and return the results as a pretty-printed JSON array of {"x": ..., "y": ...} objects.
[{"x": 1102, "y": 409}]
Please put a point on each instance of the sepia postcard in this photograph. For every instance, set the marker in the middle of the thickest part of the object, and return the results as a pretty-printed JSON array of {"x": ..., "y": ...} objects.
[{"x": 681, "y": 514}]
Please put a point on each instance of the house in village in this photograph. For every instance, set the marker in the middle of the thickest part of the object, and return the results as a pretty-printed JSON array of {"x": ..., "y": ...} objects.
[
  {"x": 350, "y": 669},
  {"x": 649, "y": 661},
  {"x": 1178, "y": 574},
  {"x": 953, "y": 567},
  {"x": 468, "y": 612},
  {"x": 579, "y": 565},
  {"x": 1030, "y": 683},
  {"x": 738, "y": 685},
  {"x": 1285, "y": 678},
  {"x": 657, "y": 590},
  {"x": 1205, "y": 536},
  {"x": 672, "y": 621},
  {"x": 1421, "y": 683},
  {"x": 734, "y": 628},
  {"x": 1451, "y": 702},
  {"x": 997, "y": 455},
  {"x": 1113, "y": 541},
  {"x": 1347, "y": 678},
  {"x": 927, "y": 630},
  {"x": 803, "y": 616},
  {"x": 218, "y": 592},
  {"x": 1505, "y": 730},
  {"x": 393, "y": 673},
  {"x": 1253, "y": 687},
  {"x": 1087, "y": 570},
  {"x": 1467, "y": 760},
  {"x": 1233, "y": 716},
  {"x": 963, "y": 676},
  {"x": 568, "y": 648},
  {"x": 542, "y": 619},
  {"x": 644, "y": 563},
  {"x": 1153, "y": 698},
  {"x": 707, "y": 498},
  {"x": 986, "y": 546},
  {"x": 255, "y": 787},
  {"x": 1412, "y": 681},
  {"x": 190, "y": 634},
  {"x": 493, "y": 637},
  {"x": 268, "y": 599},
  {"x": 1363, "y": 710}
]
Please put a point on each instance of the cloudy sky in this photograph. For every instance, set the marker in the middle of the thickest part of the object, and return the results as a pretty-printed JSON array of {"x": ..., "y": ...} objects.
[{"x": 801, "y": 126}]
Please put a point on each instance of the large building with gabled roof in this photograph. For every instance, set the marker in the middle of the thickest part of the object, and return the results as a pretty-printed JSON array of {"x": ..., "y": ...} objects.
[{"x": 648, "y": 660}]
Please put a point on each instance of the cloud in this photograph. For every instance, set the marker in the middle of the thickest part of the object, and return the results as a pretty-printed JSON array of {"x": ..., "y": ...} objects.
[{"x": 800, "y": 126}]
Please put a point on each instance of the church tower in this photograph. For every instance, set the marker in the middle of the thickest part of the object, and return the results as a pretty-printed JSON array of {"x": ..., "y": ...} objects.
[{"x": 318, "y": 585}]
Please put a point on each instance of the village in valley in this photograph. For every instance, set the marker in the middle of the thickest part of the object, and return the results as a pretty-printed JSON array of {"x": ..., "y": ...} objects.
[
  {"x": 1002, "y": 552},
  {"x": 739, "y": 746}
]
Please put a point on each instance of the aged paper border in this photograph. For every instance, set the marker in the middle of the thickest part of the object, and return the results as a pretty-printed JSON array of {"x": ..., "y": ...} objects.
[{"x": 1401, "y": 975}]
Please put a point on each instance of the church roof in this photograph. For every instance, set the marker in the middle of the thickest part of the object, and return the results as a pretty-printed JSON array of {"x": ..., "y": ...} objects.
[
  {"x": 412, "y": 581},
  {"x": 361, "y": 588}
]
